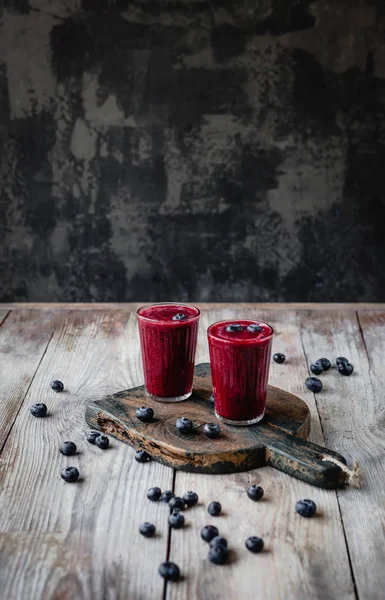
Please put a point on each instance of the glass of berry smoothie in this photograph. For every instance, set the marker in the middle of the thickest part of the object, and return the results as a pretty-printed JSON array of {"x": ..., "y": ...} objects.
[
  {"x": 168, "y": 338},
  {"x": 240, "y": 359}
]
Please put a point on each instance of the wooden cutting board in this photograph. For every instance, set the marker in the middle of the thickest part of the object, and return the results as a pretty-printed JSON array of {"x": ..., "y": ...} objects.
[{"x": 279, "y": 440}]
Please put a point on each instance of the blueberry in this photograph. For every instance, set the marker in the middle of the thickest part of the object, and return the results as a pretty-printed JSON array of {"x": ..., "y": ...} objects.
[
  {"x": 209, "y": 532},
  {"x": 255, "y": 492},
  {"x": 179, "y": 317},
  {"x": 92, "y": 435},
  {"x": 254, "y": 328},
  {"x": 345, "y": 368},
  {"x": 184, "y": 425},
  {"x": 254, "y": 544},
  {"x": 316, "y": 368},
  {"x": 144, "y": 413},
  {"x": 176, "y": 519},
  {"x": 279, "y": 358},
  {"x": 169, "y": 571},
  {"x": 212, "y": 430},
  {"x": 325, "y": 362},
  {"x": 234, "y": 327},
  {"x": 68, "y": 448},
  {"x": 70, "y": 474},
  {"x": 154, "y": 494},
  {"x": 147, "y": 529},
  {"x": 211, "y": 398},
  {"x": 218, "y": 541},
  {"x": 306, "y": 508},
  {"x": 218, "y": 555},
  {"x": 57, "y": 386},
  {"x": 176, "y": 502},
  {"x": 142, "y": 456},
  {"x": 167, "y": 495},
  {"x": 214, "y": 509},
  {"x": 102, "y": 442},
  {"x": 341, "y": 359},
  {"x": 190, "y": 499},
  {"x": 38, "y": 410},
  {"x": 313, "y": 384}
]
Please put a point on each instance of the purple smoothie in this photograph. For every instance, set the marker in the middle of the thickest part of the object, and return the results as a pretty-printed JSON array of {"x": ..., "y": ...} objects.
[
  {"x": 240, "y": 362},
  {"x": 168, "y": 338}
]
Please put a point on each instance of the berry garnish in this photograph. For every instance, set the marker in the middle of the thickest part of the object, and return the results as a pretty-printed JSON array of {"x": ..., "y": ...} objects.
[
  {"x": 255, "y": 492},
  {"x": 234, "y": 327},
  {"x": 341, "y": 359},
  {"x": 145, "y": 414},
  {"x": 184, "y": 425},
  {"x": 316, "y": 368},
  {"x": 57, "y": 386},
  {"x": 169, "y": 571},
  {"x": 313, "y": 384},
  {"x": 179, "y": 317},
  {"x": 68, "y": 448},
  {"x": 325, "y": 362},
  {"x": 147, "y": 529},
  {"x": 92, "y": 435},
  {"x": 254, "y": 328},
  {"x": 70, "y": 474},
  {"x": 176, "y": 502},
  {"x": 214, "y": 509},
  {"x": 306, "y": 508},
  {"x": 38, "y": 410},
  {"x": 218, "y": 554},
  {"x": 154, "y": 494},
  {"x": 254, "y": 544},
  {"x": 209, "y": 532},
  {"x": 166, "y": 496},
  {"x": 190, "y": 499},
  {"x": 345, "y": 368},
  {"x": 142, "y": 456},
  {"x": 102, "y": 442},
  {"x": 212, "y": 430},
  {"x": 279, "y": 358},
  {"x": 218, "y": 541},
  {"x": 176, "y": 519}
]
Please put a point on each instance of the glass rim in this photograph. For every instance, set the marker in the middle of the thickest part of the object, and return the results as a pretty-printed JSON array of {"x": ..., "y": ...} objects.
[
  {"x": 181, "y": 304},
  {"x": 249, "y": 341}
]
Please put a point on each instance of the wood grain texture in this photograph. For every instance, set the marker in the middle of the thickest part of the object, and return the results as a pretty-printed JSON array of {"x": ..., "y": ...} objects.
[
  {"x": 79, "y": 541},
  {"x": 352, "y": 412},
  {"x": 24, "y": 337},
  {"x": 3, "y": 315},
  {"x": 133, "y": 306},
  {"x": 305, "y": 559}
]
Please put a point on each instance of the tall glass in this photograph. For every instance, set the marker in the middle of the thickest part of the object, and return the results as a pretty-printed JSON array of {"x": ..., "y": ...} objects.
[
  {"x": 240, "y": 354},
  {"x": 168, "y": 338}
]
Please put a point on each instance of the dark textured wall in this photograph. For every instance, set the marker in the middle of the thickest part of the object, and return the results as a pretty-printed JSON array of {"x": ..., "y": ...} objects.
[{"x": 195, "y": 150}]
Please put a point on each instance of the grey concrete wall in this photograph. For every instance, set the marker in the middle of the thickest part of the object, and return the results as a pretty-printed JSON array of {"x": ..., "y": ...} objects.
[{"x": 195, "y": 150}]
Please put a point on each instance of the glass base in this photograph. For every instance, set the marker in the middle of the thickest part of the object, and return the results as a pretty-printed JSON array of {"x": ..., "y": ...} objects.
[
  {"x": 240, "y": 423},
  {"x": 172, "y": 399}
]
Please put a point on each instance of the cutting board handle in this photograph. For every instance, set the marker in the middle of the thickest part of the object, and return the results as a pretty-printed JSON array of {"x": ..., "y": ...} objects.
[{"x": 303, "y": 460}]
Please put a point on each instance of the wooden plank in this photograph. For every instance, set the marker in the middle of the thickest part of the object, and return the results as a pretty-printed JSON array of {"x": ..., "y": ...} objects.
[
  {"x": 304, "y": 559},
  {"x": 81, "y": 540},
  {"x": 352, "y": 411},
  {"x": 3, "y": 315},
  {"x": 133, "y": 306},
  {"x": 24, "y": 337}
]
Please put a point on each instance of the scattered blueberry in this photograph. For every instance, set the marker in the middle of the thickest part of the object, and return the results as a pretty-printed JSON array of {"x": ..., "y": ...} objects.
[
  {"x": 142, "y": 456},
  {"x": 57, "y": 386},
  {"x": 234, "y": 327},
  {"x": 102, "y": 442},
  {"x": 209, "y": 532},
  {"x": 176, "y": 502},
  {"x": 212, "y": 430},
  {"x": 313, "y": 384},
  {"x": 154, "y": 494},
  {"x": 38, "y": 410},
  {"x": 254, "y": 328},
  {"x": 325, "y": 362},
  {"x": 211, "y": 398},
  {"x": 214, "y": 509},
  {"x": 255, "y": 492},
  {"x": 218, "y": 541},
  {"x": 179, "y": 317},
  {"x": 316, "y": 368},
  {"x": 147, "y": 529},
  {"x": 169, "y": 571},
  {"x": 70, "y": 474},
  {"x": 144, "y": 413},
  {"x": 345, "y": 368},
  {"x": 306, "y": 508},
  {"x": 167, "y": 495},
  {"x": 341, "y": 359},
  {"x": 68, "y": 448},
  {"x": 184, "y": 425},
  {"x": 218, "y": 555},
  {"x": 254, "y": 544},
  {"x": 176, "y": 519},
  {"x": 190, "y": 499},
  {"x": 279, "y": 358},
  {"x": 92, "y": 435}
]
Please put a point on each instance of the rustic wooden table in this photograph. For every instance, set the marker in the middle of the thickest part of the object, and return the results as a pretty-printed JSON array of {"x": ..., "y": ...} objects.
[{"x": 81, "y": 541}]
